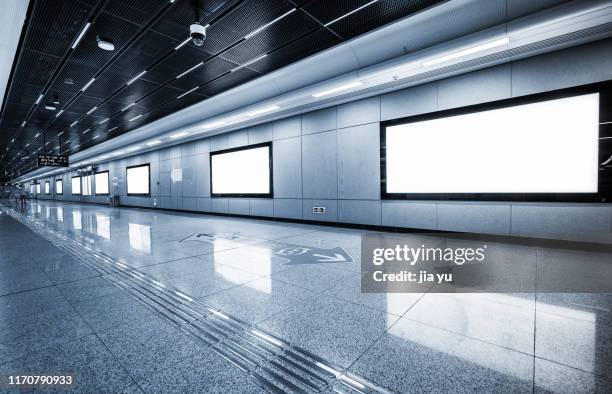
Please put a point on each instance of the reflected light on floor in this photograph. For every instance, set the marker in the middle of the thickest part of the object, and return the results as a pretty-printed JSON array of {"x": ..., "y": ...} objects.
[{"x": 140, "y": 237}]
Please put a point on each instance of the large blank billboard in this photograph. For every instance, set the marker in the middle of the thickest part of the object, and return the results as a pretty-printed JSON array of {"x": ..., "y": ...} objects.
[
  {"x": 242, "y": 172},
  {"x": 138, "y": 180},
  {"x": 544, "y": 147}
]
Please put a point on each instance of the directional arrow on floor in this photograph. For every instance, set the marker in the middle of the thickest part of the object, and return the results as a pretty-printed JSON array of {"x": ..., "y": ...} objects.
[{"x": 299, "y": 254}]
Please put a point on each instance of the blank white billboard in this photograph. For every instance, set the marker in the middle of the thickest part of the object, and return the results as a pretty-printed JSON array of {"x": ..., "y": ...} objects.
[
  {"x": 101, "y": 182},
  {"x": 241, "y": 172},
  {"x": 138, "y": 180},
  {"x": 76, "y": 185},
  {"x": 545, "y": 147}
]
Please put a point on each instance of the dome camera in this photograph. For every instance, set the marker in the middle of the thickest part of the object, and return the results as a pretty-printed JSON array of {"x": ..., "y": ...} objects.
[{"x": 198, "y": 34}]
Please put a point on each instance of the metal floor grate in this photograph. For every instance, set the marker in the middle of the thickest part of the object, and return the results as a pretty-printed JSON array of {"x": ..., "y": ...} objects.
[{"x": 275, "y": 364}]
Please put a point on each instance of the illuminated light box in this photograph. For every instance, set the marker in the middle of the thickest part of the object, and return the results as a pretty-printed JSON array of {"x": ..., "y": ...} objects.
[
  {"x": 544, "y": 147},
  {"x": 138, "y": 180},
  {"x": 242, "y": 172}
]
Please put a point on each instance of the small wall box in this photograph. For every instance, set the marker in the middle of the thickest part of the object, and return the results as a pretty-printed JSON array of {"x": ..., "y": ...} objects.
[{"x": 318, "y": 210}]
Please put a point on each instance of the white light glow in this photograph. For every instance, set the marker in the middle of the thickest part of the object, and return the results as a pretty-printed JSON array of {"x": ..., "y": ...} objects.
[
  {"x": 155, "y": 142},
  {"x": 263, "y": 110},
  {"x": 138, "y": 180},
  {"x": 350, "y": 13},
  {"x": 188, "y": 71},
  {"x": 545, "y": 147},
  {"x": 254, "y": 32},
  {"x": 213, "y": 125},
  {"x": 131, "y": 81},
  {"x": 241, "y": 172},
  {"x": 466, "y": 52},
  {"x": 87, "y": 84},
  {"x": 139, "y": 236},
  {"x": 179, "y": 135},
  {"x": 76, "y": 185},
  {"x": 337, "y": 89},
  {"x": 133, "y": 148},
  {"x": 76, "y": 42},
  {"x": 59, "y": 187}
]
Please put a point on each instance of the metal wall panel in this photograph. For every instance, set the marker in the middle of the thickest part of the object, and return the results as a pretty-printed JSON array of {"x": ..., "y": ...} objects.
[
  {"x": 359, "y": 112},
  {"x": 490, "y": 218},
  {"x": 321, "y": 120},
  {"x": 412, "y": 101},
  {"x": 359, "y": 162},
  {"x": 410, "y": 214},
  {"x": 331, "y": 210},
  {"x": 287, "y": 171},
  {"x": 359, "y": 212},
  {"x": 476, "y": 87},
  {"x": 319, "y": 166}
]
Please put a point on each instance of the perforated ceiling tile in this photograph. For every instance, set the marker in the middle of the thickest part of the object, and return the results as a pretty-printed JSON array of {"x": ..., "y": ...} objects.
[{"x": 145, "y": 34}]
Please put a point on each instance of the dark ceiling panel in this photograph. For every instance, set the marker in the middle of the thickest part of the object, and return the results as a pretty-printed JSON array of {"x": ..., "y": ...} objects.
[
  {"x": 378, "y": 14},
  {"x": 145, "y": 34},
  {"x": 286, "y": 30}
]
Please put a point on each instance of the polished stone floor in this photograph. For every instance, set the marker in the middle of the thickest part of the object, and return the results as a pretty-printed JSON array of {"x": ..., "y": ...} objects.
[{"x": 58, "y": 315}]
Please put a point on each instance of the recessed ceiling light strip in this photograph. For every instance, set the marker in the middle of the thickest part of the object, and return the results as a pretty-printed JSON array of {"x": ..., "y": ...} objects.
[
  {"x": 468, "y": 51},
  {"x": 131, "y": 81},
  {"x": 128, "y": 107},
  {"x": 263, "y": 110},
  {"x": 249, "y": 63},
  {"x": 61, "y": 111},
  {"x": 135, "y": 117},
  {"x": 92, "y": 110},
  {"x": 179, "y": 46},
  {"x": 38, "y": 99},
  {"x": 187, "y": 92},
  {"x": 337, "y": 89},
  {"x": 190, "y": 70},
  {"x": 87, "y": 84},
  {"x": 350, "y": 13},
  {"x": 254, "y": 32},
  {"x": 80, "y": 37}
]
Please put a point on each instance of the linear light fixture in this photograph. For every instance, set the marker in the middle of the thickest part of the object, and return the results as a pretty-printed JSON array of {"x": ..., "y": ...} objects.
[
  {"x": 37, "y": 135},
  {"x": 187, "y": 92},
  {"x": 60, "y": 133},
  {"x": 179, "y": 135},
  {"x": 190, "y": 70},
  {"x": 85, "y": 132},
  {"x": 91, "y": 110},
  {"x": 179, "y": 46},
  {"x": 135, "y": 117},
  {"x": 38, "y": 99},
  {"x": 466, "y": 52},
  {"x": 337, "y": 89},
  {"x": 95, "y": 136},
  {"x": 254, "y": 32},
  {"x": 131, "y": 81},
  {"x": 213, "y": 125},
  {"x": 104, "y": 121},
  {"x": 350, "y": 13},
  {"x": 74, "y": 123},
  {"x": 23, "y": 123},
  {"x": 258, "y": 58},
  {"x": 81, "y": 34},
  {"x": 263, "y": 110},
  {"x": 154, "y": 142},
  {"x": 128, "y": 107},
  {"x": 133, "y": 148},
  {"x": 61, "y": 111},
  {"x": 112, "y": 129},
  {"x": 88, "y": 84}
]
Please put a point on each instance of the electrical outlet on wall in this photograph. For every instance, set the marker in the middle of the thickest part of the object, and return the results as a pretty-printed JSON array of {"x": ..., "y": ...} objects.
[{"x": 318, "y": 210}]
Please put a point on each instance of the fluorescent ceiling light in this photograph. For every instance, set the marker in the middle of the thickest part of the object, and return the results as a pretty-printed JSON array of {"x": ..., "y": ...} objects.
[
  {"x": 38, "y": 99},
  {"x": 350, "y": 13},
  {"x": 74, "y": 123},
  {"x": 135, "y": 117},
  {"x": 117, "y": 153},
  {"x": 179, "y": 135},
  {"x": 87, "y": 84},
  {"x": 128, "y": 107},
  {"x": 179, "y": 46},
  {"x": 76, "y": 42},
  {"x": 337, "y": 89},
  {"x": 112, "y": 129},
  {"x": 468, "y": 51},
  {"x": 23, "y": 123},
  {"x": 190, "y": 70},
  {"x": 263, "y": 110},
  {"x": 133, "y": 148},
  {"x": 60, "y": 133},
  {"x": 91, "y": 110},
  {"x": 268, "y": 24},
  {"x": 36, "y": 136},
  {"x": 155, "y": 142},
  {"x": 131, "y": 81},
  {"x": 258, "y": 58},
  {"x": 104, "y": 121},
  {"x": 187, "y": 92},
  {"x": 95, "y": 137},
  {"x": 57, "y": 115},
  {"x": 213, "y": 125},
  {"x": 86, "y": 131}
]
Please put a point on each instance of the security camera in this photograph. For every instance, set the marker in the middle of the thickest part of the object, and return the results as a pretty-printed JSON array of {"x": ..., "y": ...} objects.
[{"x": 198, "y": 34}]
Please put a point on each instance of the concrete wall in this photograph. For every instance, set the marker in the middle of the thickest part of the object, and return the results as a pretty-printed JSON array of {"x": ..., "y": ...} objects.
[{"x": 330, "y": 158}]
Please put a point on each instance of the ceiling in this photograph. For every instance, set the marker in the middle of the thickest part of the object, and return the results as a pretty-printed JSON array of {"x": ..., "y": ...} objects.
[{"x": 147, "y": 35}]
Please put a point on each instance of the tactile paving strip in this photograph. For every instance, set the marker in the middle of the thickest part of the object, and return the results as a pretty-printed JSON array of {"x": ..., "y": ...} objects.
[{"x": 275, "y": 364}]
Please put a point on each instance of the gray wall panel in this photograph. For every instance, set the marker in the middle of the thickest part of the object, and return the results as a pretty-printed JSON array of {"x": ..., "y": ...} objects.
[
  {"x": 202, "y": 175},
  {"x": 218, "y": 142},
  {"x": 331, "y": 210},
  {"x": 287, "y": 171},
  {"x": 288, "y": 208},
  {"x": 287, "y": 128},
  {"x": 319, "y": 166},
  {"x": 408, "y": 102},
  {"x": 359, "y": 112},
  {"x": 262, "y": 207},
  {"x": 476, "y": 87},
  {"x": 237, "y": 138},
  {"x": 189, "y": 179},
  {"x": 409, "y": 214},
  {"x": 238, "y": 206},
  {"x": 260, "y": 133},
  {"x": 359, "y": 212},
  {"x": 219, "y": 205},
  {"x": 533, "y": 219},
  {"x": 359, "y": 162},
  {"x": 474, "y": 217},
  {"x": 321, "y": 120}
]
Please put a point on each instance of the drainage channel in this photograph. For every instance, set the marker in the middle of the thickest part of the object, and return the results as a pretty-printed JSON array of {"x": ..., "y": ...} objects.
[{"x": 275, "y": 364}]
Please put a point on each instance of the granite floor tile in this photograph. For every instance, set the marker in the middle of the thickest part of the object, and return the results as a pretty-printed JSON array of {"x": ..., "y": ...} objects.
[
  {"x": 559, "y": 379},
  {"x": 417, "y": 358}
]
